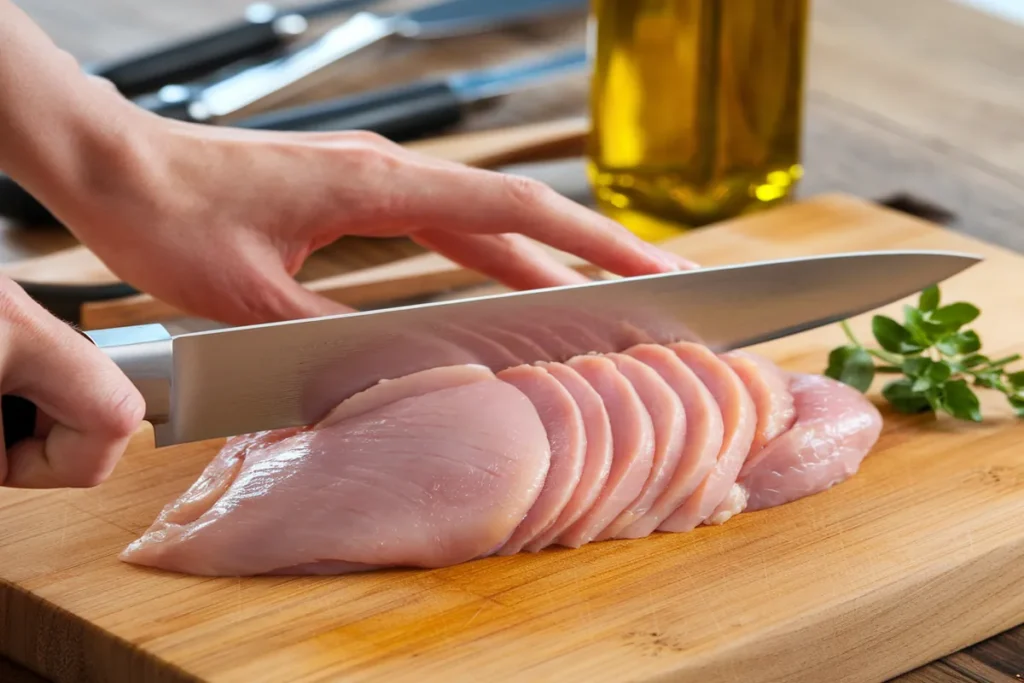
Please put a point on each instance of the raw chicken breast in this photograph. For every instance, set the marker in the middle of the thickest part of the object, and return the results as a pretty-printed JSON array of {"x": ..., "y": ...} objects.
[
  {"x": 597, "y": 464},
  {"x": 669, "y": 422},
  {"x": 426, "y": 481},
  {"x": 455, "y": 463},
  {"x": 835, "y": 428},
  {"x": 739, "y": 418},
  {"x": 563, "y": 422},
  {"x": 703, "y": 438},
  {"x": 632, "y": 448}
]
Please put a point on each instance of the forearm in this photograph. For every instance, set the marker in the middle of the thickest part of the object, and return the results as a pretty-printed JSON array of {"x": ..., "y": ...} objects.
[{"x": 62, "y": 133}]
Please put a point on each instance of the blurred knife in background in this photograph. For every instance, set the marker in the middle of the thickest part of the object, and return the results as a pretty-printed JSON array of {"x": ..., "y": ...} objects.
[
  {"x": 270, "y": 82},
  {"x": 421, "y": 108},
  {"x": 264, "y": 30}
]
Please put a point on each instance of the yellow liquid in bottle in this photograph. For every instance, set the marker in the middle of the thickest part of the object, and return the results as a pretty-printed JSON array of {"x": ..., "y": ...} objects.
[{"x": 696, "y": 109}]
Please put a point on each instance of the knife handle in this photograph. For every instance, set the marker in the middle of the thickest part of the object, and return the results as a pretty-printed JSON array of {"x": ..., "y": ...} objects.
[
  {"x": 400, "y": 114},
  {"x": 19, "y": 419},
  {"x": 19, "y": 206},
  {"x": 263, "y": 30}
]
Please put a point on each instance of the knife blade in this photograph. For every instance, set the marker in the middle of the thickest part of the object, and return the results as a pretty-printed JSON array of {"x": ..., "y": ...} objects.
[
  {"x": 270, "y": 82},
  {"x": 239, "y": 380},
  {"x": 421, "y": 108}
]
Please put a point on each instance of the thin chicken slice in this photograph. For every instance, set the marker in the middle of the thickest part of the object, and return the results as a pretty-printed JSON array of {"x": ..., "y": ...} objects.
[
  {"x": 768, "y": 386},
  {"x": 703, "y": 438},
  {"x": 669, "y": 421},
  {"x": 632, "y": 448},
  {"x": 597, "y": 463},
  {"x": 739, "y": 418},
  {"x": 563, "y": 422}
]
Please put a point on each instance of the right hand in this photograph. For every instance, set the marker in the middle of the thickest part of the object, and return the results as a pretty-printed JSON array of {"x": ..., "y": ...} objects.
[{"x": 87, "y": 408}]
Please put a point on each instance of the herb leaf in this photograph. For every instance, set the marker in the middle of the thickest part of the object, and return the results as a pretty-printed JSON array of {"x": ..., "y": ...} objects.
[
  {"x": 961, "y": 402},
  {"x": 929, "y": 299},
  {"x": 955, "y": 315},
  {"x": 892, "y": 336},
  {"x": 900, "y": 393},
  {"x": 851, "y": 365},
  {"x": 938, "y": 359}
]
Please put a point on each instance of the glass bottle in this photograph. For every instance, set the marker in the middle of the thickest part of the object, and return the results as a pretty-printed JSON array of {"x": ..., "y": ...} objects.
[{"x": 696, "y": 109}]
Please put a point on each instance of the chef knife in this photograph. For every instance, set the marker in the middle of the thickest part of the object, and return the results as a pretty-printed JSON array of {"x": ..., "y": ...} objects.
[
  {"x": 269, "y": 82},
  {"x": 239, "y": 380},
  {"x": 264, "y": 29},
  {"x": 421, "y": 108}
]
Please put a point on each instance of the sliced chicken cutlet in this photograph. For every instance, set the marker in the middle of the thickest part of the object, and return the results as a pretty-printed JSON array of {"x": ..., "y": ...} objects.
[
  {"x": 669, "y": 421},
  {"x": 563, "y": 422},
  {"x": 768, "y": 386},
  {"x": 632, "y": 448},
  {"x": 739, "y": 418},
  {"x": 702, "y": 441},
  {"x": 429, "y": 480},
  {"x": 597, "y": 463},
  {"x": 452, "y": 464}
]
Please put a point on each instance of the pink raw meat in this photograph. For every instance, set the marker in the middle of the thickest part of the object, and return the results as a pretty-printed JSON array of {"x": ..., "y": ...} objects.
[
  {"x": 426, "y": 481},
  {"x": 485, "y": 350},
  {"x": 739, "y": 418},
  {"x": 703, "y": 440},
  {"x": 563, "y": 422},
  {"x": 835, "y": 428},
  {"x": 391, "y": 390},
  {"x": 669, "y": 421},
  {"x": 597, "y": 462},
  {"x": 769, "y": 388},
  {"x": 632, "y": 448}
]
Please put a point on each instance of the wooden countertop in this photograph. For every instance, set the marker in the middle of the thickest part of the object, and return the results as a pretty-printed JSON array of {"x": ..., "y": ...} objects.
[{"x": 919, "y": 102}]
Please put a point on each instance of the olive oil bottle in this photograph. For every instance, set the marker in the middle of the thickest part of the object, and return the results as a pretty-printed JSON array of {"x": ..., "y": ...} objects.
[{"x": 696, "y": 109}]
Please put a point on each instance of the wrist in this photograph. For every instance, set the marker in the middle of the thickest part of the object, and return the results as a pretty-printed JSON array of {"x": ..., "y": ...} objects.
[
  {"x": 73, "y": 144},
  {"x": 64, "y": 135}
]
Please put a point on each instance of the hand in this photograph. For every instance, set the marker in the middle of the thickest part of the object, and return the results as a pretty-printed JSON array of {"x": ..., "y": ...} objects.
[
  {"x": 87, "y": 409},
  {"x": 216, "y": 221}
]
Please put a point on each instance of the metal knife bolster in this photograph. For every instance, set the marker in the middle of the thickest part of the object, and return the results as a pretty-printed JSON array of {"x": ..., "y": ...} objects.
[{"x": 144, "y": 353}]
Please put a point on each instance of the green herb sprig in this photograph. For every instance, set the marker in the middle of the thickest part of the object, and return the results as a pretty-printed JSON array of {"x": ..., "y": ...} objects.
[{"x": 940, "y": 361}]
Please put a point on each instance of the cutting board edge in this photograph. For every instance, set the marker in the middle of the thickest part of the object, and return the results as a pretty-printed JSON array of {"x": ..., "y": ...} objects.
[{"x": 62, "y": 626}]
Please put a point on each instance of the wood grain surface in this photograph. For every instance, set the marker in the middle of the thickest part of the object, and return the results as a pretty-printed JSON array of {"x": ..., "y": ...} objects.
[{"x": 917, "y": 556}]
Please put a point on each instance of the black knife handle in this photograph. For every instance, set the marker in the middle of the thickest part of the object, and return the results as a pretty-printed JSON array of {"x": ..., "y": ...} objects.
[
  {"x": 19, "y": 419},
  {"x": 264, "y": 31},
  {"x": 400, "y": 114},
  {"x": 17, "y": 205}
]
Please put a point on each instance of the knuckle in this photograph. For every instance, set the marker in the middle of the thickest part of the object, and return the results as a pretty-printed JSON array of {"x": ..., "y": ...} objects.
[
  {"x": 125, "y": 410},
  {"x": 369, "y": 139},
  {"x": 525, "y": 191},
  {"x": 13, "y": 300}
]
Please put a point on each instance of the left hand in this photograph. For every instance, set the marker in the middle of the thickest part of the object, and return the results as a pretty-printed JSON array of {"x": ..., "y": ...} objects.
[{"x": 217, "y": 221}]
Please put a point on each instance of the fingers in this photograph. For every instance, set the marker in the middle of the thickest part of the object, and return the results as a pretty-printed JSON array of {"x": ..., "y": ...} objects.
[
  {"x": 91, "y": 408},
  {"x": 281, "y": 297},
  {"x": 512, "y": 260},
  {"x": 475, "y": 201}
]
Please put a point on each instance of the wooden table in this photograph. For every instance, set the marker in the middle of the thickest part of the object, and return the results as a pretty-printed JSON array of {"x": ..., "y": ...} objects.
[{"x": 919, "y": 103}]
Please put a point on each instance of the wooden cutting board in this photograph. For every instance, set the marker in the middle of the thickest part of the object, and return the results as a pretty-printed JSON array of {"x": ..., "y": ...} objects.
[{"x": 919, "y": 555}]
